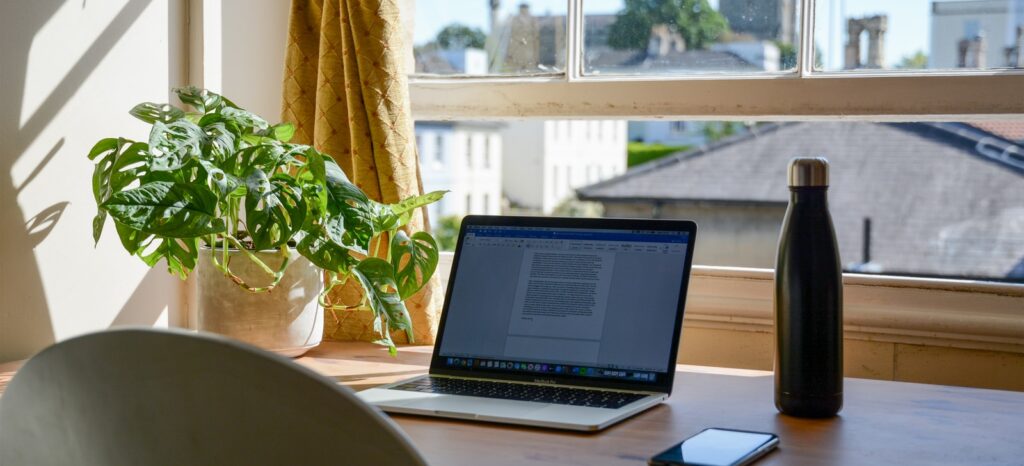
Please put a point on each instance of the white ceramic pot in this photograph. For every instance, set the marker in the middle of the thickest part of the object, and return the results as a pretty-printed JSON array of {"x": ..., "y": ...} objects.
[{"x": 287, "y": 320}]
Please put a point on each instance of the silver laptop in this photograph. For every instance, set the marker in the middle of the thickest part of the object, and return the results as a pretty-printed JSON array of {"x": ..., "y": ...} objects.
[{"x": 555, "y": 322}]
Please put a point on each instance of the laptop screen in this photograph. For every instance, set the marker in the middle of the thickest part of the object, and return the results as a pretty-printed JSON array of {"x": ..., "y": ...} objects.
[{"x": 599, "y": 304}]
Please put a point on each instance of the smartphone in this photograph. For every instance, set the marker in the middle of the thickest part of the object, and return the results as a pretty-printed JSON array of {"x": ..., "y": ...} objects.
[{"x": 718, "y": 447}]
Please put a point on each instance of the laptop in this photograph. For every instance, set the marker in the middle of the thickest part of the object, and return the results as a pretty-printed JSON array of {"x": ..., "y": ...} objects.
[{"x": 565, "y": 323}]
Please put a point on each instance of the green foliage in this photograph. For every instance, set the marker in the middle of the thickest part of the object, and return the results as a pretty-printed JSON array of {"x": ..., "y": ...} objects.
[
  {"x": 639, "y": 152},
  {"x": 788, "y": 59},
  {"x": 458, "y": 36},
  {"x": 715, "y": 131},
  {"x": 448, "y": 232},
  {"x": 197, "y": 174},
  {"x": 695, "y": 20},
  {"x": 916, "y": 61}
]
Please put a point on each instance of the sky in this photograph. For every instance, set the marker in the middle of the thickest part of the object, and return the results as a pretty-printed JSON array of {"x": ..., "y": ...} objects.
[{"x": 908, "y": 20}]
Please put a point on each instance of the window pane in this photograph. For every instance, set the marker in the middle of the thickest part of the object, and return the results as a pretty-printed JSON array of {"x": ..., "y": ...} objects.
[
  {"x": 690, "y": 36},
  {"x": 919, "y": 34},
  {"x": 921, "y": 199},
  {"x": 489, "y": 37}
]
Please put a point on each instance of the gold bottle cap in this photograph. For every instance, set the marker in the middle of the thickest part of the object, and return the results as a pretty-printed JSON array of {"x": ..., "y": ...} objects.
[{"x": 808, "y": 172}]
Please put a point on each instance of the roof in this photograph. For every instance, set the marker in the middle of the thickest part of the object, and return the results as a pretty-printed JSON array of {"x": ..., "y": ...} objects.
[
  {"x": 1007, "y": 129},
  {"x": 936, "y": 203}
]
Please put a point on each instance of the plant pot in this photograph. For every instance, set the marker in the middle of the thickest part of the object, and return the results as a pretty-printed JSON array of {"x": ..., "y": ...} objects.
[{"x": 287, "y": 320}]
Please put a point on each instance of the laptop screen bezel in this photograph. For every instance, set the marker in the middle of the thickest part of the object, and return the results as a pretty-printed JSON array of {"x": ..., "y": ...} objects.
[{"x": 661, "y": 385}]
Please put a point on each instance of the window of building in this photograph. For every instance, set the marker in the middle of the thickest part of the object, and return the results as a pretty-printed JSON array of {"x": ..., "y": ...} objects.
[
  {"x": 895, "y": 71},
  {"x": 486, "y": 204},
  {"x": 470, "y": 140},
  {"x": 439, "y": 148},
  {"x": 487, "y": 151},
  {"x": 469, "y": 204}
]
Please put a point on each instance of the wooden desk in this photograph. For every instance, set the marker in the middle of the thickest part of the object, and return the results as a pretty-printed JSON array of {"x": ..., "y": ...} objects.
[{"x": 881, "y": 423}]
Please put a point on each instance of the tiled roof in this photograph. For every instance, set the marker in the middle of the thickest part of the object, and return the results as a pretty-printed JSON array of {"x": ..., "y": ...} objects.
[
  {"x": 937, "y": 205},
  {"x": 1007, "y": 129}
]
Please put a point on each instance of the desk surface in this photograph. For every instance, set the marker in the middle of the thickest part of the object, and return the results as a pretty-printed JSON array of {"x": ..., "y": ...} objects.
[{"x": 881, "y": 423}]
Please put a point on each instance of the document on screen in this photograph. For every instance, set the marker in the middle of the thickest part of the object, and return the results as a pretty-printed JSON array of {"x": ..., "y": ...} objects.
[{"x": 562, "y": 294}]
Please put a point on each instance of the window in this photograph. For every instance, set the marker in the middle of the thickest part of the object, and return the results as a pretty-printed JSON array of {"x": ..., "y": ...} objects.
[
  {"x": 487, "y": 204},
  {"x": 469, "y": 204},
  {"x": 469, "y": 150},
  {"x": 487, "y": 151},
  {"x": 439, "y": 148},
  {"x": 902, "y": 68}
]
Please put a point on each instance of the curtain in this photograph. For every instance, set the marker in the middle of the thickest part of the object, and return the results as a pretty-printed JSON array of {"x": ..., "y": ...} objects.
[{"x": 345, "y": 91}]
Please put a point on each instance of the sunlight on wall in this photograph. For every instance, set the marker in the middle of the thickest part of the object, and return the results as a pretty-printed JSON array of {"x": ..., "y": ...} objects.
[{"x": 71, "y": 71}]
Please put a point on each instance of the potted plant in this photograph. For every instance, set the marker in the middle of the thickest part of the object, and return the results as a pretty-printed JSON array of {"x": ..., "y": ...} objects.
[{"x": 222, "y": 191}]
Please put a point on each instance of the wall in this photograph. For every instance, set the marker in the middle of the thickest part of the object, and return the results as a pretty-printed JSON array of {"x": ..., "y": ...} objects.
[
  {"x": 69, "y": 73},
  {"x": 253, "y": 38},
  {"x": 948, "y": 24},
  {"x": 730, "y": 235}
]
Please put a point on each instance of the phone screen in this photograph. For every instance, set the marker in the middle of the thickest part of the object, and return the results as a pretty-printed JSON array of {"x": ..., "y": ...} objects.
[{"x": 718, "y": 447}]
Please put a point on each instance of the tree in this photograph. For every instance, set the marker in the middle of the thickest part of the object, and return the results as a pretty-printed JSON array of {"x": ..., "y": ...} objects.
[
  {"x": 695, "y": 20},
  {"x": 715, "y": 131},
  {"x": 458, "y": 36},
  {"x": 447, "y": 233},
  {"x": 917, "y": 61}
]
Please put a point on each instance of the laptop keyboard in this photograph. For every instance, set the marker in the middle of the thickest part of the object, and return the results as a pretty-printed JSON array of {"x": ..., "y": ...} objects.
[{"x": 523, "y": 392}]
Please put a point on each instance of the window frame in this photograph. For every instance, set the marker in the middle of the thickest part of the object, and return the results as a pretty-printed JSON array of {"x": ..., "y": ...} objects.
[{"x": 956, "y": 313}]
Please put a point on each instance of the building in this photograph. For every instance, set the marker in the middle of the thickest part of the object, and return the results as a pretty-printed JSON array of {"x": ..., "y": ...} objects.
[
  {"x": 464, "y": 158},
  {"x": 547, "y": 160},
  {"x": 977, "y": 34},
  {"x": 937, "y": 199}
]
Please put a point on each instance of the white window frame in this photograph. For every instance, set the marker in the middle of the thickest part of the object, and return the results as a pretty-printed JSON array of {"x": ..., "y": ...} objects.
[{"x": 954, "y": 313}]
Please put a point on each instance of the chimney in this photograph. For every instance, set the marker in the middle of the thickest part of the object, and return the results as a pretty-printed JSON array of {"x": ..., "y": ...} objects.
[
  {"x": 876, "y": 27},
  {"x": 1015, "y": 52},
  {"x": 971, "y": 52},
  {"x": 495, "y": 6},
  {"x": 664, "y": 40}
]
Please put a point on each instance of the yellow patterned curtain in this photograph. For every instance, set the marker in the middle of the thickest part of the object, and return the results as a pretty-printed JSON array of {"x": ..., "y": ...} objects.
[{"x": 345, "y": 90}]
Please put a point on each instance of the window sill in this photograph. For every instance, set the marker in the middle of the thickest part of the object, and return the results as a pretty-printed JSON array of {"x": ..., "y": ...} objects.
[{"x": 944, "y": 313}]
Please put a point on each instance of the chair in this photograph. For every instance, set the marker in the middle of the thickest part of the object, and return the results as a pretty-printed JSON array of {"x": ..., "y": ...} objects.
[{"x": 144, "y": 396}]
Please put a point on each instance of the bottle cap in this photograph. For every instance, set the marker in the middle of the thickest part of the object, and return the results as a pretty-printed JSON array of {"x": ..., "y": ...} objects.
[{"x": 808, "y": 172}]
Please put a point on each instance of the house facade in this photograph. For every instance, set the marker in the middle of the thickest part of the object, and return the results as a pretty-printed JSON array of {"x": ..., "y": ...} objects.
[
  {"x": 548, "y": 159},
  {"x": 464, "y": 158},
  {"x": 933, "y": 199}
]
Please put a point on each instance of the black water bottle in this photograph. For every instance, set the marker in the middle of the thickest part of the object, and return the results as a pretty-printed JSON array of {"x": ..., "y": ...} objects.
[{"x": 808, "y": 299}]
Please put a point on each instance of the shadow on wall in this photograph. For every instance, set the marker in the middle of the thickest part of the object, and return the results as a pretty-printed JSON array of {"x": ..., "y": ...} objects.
[
  {"x": 25, "y": 323},
  {"x": 149, "y": 300}
]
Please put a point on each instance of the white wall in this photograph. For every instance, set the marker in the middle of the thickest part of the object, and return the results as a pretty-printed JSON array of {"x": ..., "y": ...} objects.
[
  {"x": 948, "y": 28},
  {"x": 524, "y": 180},
  {"x": 69, "y": 73},
  {"x": 254, "y": 35}
]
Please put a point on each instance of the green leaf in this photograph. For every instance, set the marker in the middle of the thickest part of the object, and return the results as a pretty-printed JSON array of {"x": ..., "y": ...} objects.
[
  {"x": 157, "y": 113},
  {"x": 244, "y": 118},
  {"x": 350, "y": 202},
  {"x": 282, "y": 132},
  {"x": 394, "y": 216},
  {"x": 414, "y": 261},
  {"x": 324, "y": 253},
  {"x": 274, "y": 209},
  {"x": 114, "y": 171},
  {"x": 378, "y": 280},
  {"x": 219, "y": 142},
  {"x": 202, "y": 100},
  {"x": 104, "y": 145},
  {"x": 164, "y": 208},
  {"x": 174, "y": 144},
  {"x": 180, "y": 253}
]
